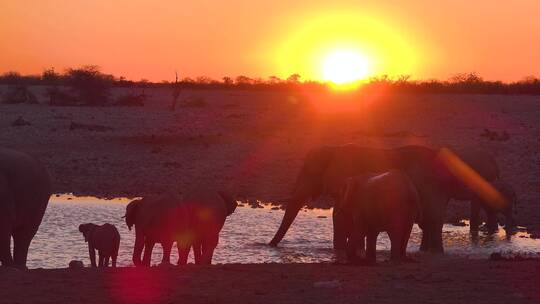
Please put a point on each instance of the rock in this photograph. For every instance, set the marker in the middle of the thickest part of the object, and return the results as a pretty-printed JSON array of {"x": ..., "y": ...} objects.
[
  {"x": 20, "y": 122},
  {"x": 327, "y": 284},
  {"x": 495, "y": 136},
  {"x": 74, "y": 264}
]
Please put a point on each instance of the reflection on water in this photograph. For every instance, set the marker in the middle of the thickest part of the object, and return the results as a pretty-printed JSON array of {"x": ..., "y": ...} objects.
[{"x": 243, "y": 239}]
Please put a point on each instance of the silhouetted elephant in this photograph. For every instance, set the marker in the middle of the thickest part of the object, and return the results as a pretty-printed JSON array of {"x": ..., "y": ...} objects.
[
  {"x": 105, "y": 239},
  {"x": 437, "y": 175},
  {"x": 376, "y": 203},
  {"x": 507, "y": 191},
  {"x": 156, "y": 219},
  {"x": 207, "y": 212},
  {"x": 25, "y": 188}
]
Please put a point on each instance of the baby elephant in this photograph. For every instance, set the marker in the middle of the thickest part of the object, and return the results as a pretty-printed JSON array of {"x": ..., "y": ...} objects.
[
  {"x": 507, "y": 191},
  {"x": 380, "y": 202},
  {"x": 105, "y": 239}
]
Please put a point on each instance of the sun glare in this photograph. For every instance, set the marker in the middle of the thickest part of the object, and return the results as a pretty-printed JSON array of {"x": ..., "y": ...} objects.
[
  {"x": 344, "y": 67},
  {"x": 343, "y": 48}
]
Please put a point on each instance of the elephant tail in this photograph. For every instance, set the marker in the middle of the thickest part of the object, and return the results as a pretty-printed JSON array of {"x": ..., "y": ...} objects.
[{"x": 131, "y": 211}]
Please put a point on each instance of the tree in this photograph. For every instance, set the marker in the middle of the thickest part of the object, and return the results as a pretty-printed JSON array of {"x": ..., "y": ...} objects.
[
  {"x": 91, "y": 86},
  {"x": 227, "y": 81},
  {"x": 294, "y": 78},
  {"x": 243, "y": 80}
]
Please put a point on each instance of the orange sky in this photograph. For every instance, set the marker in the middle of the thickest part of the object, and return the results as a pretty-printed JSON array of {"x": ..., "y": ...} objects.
[{"x": 151, "y": 39}]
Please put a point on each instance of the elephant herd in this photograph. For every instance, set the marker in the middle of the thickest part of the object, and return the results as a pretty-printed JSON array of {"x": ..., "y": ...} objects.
[
  {"x": 373, "y": 190},
  {"x": 436, "y": 176},
  {"x": 193, "y": 222}
]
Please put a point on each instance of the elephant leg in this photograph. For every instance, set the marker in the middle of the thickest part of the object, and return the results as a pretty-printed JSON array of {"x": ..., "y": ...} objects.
[
  {"x": 371, "y": 247},
  {"x": 208, "y": 246},
  {"x": 147, "y": 257},
  {"x": 404, "y": 241},
  {"x": 113, "y": 260},
  {"x": 183, "y": 253},
  {"x": 436, "y": 237},
  {"x": 475, "y": 216},
  {"x": 106, "y": 261},
  {"x": 439, "y": 205},
  {"x": 426, "y": 235},
  {"x": 340, "y": 232},
  {"x": 139, "y": 246},
  {"x": 92, "y": 255},
  {"x": 166, "y": 258},
  {"x": 5, "y": 246},
  {"x": 21, "y": 243},
  {"x": 395, "y": 246},
  {"x": 353, "y": 245},
  {"x": 362, "y": 247},
  {"x": 197, "y": 252},
  {"x": 492, "y": 224},
  {"x": 101, "y": 259},
  {"x": 434, "y": 203},
  {"x": 509, "y": 221}
]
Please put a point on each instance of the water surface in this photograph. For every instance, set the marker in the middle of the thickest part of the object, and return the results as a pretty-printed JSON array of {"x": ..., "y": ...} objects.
[{"x": 242, "y": 240}]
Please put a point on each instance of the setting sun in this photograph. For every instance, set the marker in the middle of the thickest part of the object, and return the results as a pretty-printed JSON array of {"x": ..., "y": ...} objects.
[
  {"x": 342, "y": 67},
  {"x": 343, "y": 48}
]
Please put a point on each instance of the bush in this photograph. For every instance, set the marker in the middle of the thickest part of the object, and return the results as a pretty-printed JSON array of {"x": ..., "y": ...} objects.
[
  {"x": 19, "y": 94},
  {"x": 58, "y": 97},
  {"x": 131, "y": 100},
  {"x": 90, "y": 85},
  {"x": 195, "y": 102}
]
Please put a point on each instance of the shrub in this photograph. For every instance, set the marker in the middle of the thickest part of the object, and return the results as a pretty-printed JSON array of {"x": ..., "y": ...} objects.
[
  {"x": 195, "y": 102},
  {"x": 19, "y": 94},
  {"x": 91, "y": 86},
  {"x": 131, "y": 100}
]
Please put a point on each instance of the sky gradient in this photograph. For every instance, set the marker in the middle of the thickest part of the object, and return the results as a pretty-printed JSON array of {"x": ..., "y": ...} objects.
[{"x": 151, "y": 39}]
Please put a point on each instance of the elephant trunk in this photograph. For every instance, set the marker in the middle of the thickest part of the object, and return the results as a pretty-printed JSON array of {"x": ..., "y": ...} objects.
[{"x": 288, "y": 218}]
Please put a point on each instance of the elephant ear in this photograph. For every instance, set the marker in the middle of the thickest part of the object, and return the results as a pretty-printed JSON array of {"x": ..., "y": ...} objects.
[
  {"x": 86, "y": 230},
  {"x": 131, "y": 212},
  {"x": 230, "y": 202},
  {"x": 315, "y": 163}
]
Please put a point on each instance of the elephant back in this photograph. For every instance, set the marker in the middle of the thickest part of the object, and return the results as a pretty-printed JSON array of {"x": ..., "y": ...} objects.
[
  {"x": 153, "y": 212},
  {"x": 207, "y": 209},
  {"x": 28, "y": 181}
]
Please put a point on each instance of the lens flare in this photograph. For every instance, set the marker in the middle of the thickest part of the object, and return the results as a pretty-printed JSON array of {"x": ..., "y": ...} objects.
[{"x": 474, "y": 181}]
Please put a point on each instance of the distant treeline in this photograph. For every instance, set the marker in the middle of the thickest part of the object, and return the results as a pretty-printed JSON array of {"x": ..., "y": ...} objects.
[{"x": 88, "y": 77}]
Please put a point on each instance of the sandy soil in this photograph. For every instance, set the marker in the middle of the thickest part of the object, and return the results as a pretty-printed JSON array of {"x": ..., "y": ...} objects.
[
  {"x": 254, "y": 142},
  {"x": 434, "y": 280}
]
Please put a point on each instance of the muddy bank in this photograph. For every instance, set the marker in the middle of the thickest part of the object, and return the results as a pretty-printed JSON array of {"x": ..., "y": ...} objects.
[
  {"x": 433, "y": 280},
  {"x": 254, "y": 142}
]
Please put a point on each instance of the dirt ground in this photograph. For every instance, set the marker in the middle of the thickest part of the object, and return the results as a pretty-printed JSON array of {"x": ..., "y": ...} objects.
[
  {"x": 254, "y": 142},
  {"x": 433, "y": 280}
]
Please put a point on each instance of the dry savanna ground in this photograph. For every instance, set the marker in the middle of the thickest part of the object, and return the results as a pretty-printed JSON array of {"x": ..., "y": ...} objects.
[
  {"x": 254, "y": 142},
  {"x": 433, "y": 280}
]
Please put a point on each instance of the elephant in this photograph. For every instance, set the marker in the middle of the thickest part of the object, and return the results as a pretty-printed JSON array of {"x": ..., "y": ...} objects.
[
  {"x": 193, "y": 221},
  {"x": 105, "y": 239},
  {"x": 437, "y": 174},
  {"x": 206, "y": 212},
  {"x": 509, "y": 194},
  {"x": 375, "y": 203},
  {"x": 25, "y": 189},
  {"x": 156, "y": 218}
]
